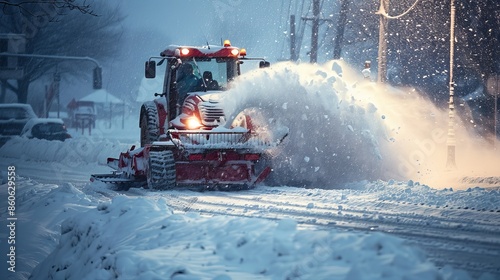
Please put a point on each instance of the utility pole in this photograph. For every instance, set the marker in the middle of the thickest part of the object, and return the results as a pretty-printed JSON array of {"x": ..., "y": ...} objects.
[
  {"x": 451, "y": 142},
  {"x": 315, "y": 30},
  {"x": 57, "y": 80},
  {"x": 382, "y": 42},
  {"x": 293, "y": 36},
  {"x": 339, "y": 37}
]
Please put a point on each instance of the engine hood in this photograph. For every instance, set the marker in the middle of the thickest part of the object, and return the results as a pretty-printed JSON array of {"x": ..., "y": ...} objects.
[{"x": 214, "y": 96}]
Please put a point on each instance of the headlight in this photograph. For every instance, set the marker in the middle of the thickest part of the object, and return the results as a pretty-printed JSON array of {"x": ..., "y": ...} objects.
[{"x": 193, "y": 123}]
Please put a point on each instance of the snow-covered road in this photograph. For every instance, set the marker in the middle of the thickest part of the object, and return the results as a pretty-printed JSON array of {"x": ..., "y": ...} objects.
[{"x": 457, "y": 228}]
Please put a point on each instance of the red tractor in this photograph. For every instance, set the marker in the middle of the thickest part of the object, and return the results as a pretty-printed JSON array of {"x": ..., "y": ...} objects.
[{"x": 186, "y": 140}]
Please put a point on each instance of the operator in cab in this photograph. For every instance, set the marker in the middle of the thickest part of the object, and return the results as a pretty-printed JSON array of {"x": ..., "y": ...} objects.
[
  {"x": 209, "y": 81},
  {"x": 187, "y": 81}
]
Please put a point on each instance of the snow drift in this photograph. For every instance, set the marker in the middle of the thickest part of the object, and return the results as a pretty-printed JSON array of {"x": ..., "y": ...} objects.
[{"x": 148, "y": 241}]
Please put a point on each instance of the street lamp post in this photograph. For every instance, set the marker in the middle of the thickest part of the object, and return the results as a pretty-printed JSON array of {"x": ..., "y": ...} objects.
[
  {"x": 495, "y": 92},
  {"x": 382, "y": 42},
  {"x": 451, "y": 142},
  {"x": 97, "y": 74},
  {"x": 496, "y": 113},
  {"x": 492, "y": 87}
]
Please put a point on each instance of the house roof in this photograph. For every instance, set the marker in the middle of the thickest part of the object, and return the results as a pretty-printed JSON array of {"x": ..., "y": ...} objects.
[{"x": 102, "y": 96}]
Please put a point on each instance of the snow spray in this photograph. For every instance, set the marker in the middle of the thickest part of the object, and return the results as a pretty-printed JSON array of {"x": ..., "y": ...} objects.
[{"x": 344, "y": 128}]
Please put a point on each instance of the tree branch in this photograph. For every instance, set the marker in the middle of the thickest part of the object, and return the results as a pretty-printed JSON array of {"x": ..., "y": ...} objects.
[{"x": 84, "y": 8}]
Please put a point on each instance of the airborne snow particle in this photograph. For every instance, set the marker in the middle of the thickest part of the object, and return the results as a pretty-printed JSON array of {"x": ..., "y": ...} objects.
[
  {"x": 383, "y": 117},
  {"x": 307, "y": 159}
]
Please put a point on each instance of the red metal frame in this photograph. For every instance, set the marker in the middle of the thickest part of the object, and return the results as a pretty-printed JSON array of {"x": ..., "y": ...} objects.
[
  {"x": 214, "y": 167},
  {"x": 162, "y": 116}
]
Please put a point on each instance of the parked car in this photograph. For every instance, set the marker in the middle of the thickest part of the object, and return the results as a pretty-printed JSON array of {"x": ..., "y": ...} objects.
[
  {"x": 45, "y": 128},
  {"x": 13, "y": 117}
]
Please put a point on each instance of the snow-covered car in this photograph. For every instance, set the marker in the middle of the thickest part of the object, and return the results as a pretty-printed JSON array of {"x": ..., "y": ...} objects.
[
  {"x": 13, "y": 117},
  {"x": 45, "y": 128}
]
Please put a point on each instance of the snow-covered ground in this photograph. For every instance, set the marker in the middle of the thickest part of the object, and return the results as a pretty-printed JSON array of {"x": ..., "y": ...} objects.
[{"x": 377, "y": 204}]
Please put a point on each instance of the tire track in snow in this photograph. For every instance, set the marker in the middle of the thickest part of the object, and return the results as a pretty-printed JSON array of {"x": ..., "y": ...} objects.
[
  {"x": 342, "y": 213},
  {"x": 471, "y": 244}
]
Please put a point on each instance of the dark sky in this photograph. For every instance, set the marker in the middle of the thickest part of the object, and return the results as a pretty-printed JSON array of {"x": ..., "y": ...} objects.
[{"x": 256, "y": 25}]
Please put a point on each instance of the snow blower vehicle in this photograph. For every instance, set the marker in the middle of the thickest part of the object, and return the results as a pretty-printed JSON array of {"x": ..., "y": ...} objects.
[{"x": 186, "y": 140}]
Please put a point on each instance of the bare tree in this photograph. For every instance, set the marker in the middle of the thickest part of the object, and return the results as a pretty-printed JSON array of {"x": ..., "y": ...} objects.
[
  {"x": 61, "y": 6},
  {"x": 48, "y": 30}
]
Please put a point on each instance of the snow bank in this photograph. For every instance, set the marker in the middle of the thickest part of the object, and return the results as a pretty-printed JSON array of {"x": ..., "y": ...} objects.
[
  {"x": 40, "y": 210},
  {"x": 475, "y": 198},
  {"x": 148, "y": 241}
]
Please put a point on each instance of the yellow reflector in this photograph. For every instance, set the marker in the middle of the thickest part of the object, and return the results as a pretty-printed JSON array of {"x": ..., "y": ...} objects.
[
  {"x": 227, "y": 43},
  {"x": 234, "y": 52},
  {"x": 243, "y": 52},
  {"x": 185, "y": 51}
]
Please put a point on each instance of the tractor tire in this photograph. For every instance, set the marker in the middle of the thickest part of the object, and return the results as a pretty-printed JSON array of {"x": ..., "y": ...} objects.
[
  {"x": 161, "y": 173},
  {"x": 149, "y": 124}
]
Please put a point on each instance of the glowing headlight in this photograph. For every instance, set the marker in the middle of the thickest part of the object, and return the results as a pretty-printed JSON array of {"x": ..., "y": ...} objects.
[
  {"x": 193, "y": 123},
  {"x": 185, "y": 51}
]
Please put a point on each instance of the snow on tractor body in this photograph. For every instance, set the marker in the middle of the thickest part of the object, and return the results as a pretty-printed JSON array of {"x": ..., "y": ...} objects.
[{"x": 185, "y": 138}]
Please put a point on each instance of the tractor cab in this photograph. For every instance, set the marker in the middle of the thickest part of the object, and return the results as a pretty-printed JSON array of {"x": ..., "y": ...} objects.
[{"x": 193, "y": 79}]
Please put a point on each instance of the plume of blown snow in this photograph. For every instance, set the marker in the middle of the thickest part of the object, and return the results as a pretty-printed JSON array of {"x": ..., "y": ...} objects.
[{"x": 344, "y": 128}]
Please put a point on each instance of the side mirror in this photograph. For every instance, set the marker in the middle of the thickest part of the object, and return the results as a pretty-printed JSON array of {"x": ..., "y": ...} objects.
[
  {"x": 264, "y": 64},
  {"x": 150, "y": 69},
  {"x": 97, "y": 78}
]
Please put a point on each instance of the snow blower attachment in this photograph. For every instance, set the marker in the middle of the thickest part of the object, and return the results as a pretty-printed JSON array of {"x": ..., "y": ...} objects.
[{"x": 186, "y": 141}]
